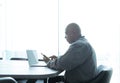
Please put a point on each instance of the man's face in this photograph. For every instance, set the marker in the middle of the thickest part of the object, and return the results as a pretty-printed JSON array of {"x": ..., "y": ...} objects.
[
  {"x": 72, "y": 33},
  {"x": 69, "y": 36}
]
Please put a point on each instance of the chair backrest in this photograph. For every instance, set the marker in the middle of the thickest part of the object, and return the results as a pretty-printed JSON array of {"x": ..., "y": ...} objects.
[
  {"x": 18, "y": 58},
  {"x": 104, "y": 75}
]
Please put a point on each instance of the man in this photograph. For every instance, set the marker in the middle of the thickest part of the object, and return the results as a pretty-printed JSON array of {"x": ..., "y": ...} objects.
[{"x": 79, "y": 61}]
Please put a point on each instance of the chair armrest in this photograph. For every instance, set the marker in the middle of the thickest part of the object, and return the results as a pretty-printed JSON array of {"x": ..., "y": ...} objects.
[{"x": 7, "y": 80}]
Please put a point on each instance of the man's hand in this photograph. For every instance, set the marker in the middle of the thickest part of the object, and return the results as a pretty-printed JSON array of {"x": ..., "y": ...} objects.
[
  {"x": 45, "y": 58},
  {"x": 52, "y": 57}
]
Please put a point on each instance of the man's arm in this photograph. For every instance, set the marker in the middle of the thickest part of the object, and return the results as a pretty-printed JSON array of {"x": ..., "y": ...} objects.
[{"x": 76, "y": 55}]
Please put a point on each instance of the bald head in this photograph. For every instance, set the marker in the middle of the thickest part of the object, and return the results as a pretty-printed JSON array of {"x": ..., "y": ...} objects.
[
  {"x": 73, "y": 32},
  {"x": 73, "y": 28}
]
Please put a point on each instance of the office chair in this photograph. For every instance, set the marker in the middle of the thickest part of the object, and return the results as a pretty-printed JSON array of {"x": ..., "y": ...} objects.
[
  {"x": 18, "y": 58},
  {"x": 1, "y": 58},
  {"x": 23, "y": 59},
  {"x": 104, "y": 75},
  {"x": 7, "y": 80}
]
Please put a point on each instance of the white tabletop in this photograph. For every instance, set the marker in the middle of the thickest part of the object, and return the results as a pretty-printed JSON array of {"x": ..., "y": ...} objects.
[{"x": 20, "y": 69}]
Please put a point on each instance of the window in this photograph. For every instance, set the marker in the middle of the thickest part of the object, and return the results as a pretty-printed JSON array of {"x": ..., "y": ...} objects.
[
  {"x": 30, "y": 24},
  {"x": 100, "y": 24}
]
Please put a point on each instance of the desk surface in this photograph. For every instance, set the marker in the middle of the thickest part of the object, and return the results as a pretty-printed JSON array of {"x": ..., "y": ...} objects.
[{"x": 20, "y": 69}]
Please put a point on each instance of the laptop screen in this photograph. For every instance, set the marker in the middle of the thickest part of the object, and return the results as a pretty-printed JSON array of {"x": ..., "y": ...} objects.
[{"x": 32, "y": 57}]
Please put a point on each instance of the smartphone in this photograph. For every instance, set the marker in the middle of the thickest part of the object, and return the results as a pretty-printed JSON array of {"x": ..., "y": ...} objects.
[{"x": 44, "y": 55}]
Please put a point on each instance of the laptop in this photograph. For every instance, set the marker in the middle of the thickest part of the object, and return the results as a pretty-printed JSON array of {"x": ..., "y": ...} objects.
[{"x": 33, "y": 59}]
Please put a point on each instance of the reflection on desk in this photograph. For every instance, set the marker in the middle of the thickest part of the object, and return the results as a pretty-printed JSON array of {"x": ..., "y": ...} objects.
[{"x": 21, "y": 70}]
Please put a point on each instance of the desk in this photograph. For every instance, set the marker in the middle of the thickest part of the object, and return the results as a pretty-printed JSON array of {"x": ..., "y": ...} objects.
[{"x": 21, "y": 70}]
